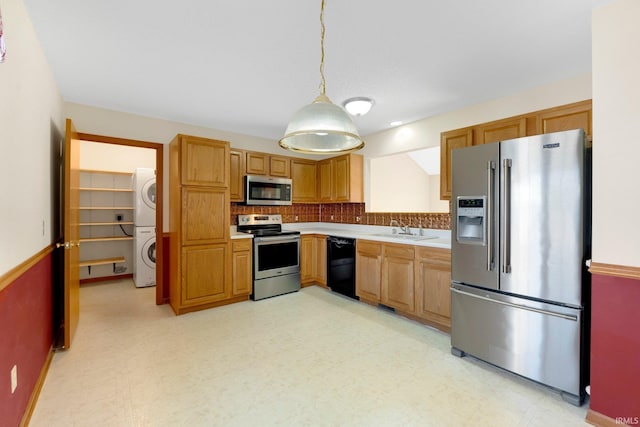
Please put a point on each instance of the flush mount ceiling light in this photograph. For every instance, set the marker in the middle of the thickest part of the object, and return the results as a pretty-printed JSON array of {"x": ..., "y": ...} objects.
[
  {"x": 321, "y": 127},
  {"x": 358, "y": 106}
]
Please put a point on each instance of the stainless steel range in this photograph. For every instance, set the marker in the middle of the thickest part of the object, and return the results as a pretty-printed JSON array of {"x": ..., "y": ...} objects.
[{"x": 276, "y": 255}]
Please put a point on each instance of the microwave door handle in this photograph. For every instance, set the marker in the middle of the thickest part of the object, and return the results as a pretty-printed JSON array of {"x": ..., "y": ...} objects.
[
  {"x": 506, "y": 222},
  {"x": 491, "y": 167}
]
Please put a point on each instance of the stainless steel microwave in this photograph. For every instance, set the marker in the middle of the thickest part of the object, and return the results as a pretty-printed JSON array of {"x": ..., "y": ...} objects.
[{"x": 267, "y": 190}]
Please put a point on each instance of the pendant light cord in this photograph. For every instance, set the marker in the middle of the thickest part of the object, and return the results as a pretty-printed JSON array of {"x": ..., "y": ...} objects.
[{"x": 323, "y": 83}]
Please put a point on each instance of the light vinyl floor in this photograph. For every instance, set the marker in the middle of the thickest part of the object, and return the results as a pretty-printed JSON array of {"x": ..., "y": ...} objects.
[{"x": 310, "y": 358}]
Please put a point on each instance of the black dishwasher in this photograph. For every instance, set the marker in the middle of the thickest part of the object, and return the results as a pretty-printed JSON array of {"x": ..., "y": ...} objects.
[{"x": 341, "y": 265}]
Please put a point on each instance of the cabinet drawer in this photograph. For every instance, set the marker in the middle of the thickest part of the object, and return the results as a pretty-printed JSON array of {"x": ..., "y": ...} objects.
[
  {"x": 240, "y": 245},
  {"x": 368, "y": 247},
  {"x": 434, "y": 255},
  {"x": 399, "y": 251}
]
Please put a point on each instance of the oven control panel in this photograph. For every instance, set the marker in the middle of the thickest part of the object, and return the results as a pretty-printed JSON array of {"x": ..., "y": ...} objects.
[{"x": 259, "y": 219}]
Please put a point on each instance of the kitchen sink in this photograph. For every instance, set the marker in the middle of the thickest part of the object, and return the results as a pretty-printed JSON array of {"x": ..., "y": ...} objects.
[{"x": 412, "y": 237}]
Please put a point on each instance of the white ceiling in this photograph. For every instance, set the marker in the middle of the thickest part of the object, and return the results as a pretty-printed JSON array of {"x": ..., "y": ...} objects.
[{"x": 247, "y": 66}]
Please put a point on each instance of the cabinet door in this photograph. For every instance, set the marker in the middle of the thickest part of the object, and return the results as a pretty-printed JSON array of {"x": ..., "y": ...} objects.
[
  {"x": 241, "y": 273},
  {"x": 279, "y": 166},
  {"x": 341, "y": 183},
  {"x": 257, "y": 163},
  {"x": 501, "y": 130},
  {"x": 433, "y": 280},
  {"x": 307, "y": 260},
  {"x": 450, "y": 141},
  {"x": 321, "y": 259},
  {"x": 304, "y": 177},
  {"x": 236, "y": 179},
  {"x": 572, "y": 116},
  {"x": 397, "y": 277},
  {"x": 205, "y": 162},
  {"x": 205, "y": 215},
  {"x": 204, "y": 274},
  {"x": 368, "y": 270},
  {"x": 325, "y": 181}
]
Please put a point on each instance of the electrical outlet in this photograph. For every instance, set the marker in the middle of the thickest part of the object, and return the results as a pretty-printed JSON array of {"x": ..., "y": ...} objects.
[
  {"x": 118, "y": 217},
  {"x": 14, "y": 378},
  {"x": 296, "y": 218}
]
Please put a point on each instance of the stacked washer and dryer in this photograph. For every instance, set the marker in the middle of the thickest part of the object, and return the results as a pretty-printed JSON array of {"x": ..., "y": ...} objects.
[{"x": 144, "y": 219}]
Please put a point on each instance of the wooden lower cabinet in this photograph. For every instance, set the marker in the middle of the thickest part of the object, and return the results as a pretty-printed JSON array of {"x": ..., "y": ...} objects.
[
  {"x": 205, "y": 274},
  {"x": 241, "y": 267},
  {"x": 313, "y": 259},
  {"x": 368, "y": 270},
  {"x": 433, "y": 279},
  {"x": 397, "y": 277},
  {"x": 414, "y": 280}
]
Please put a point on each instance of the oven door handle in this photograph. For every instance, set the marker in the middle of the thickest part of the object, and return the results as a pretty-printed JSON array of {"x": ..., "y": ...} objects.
[{"x": 276, "y": 239}]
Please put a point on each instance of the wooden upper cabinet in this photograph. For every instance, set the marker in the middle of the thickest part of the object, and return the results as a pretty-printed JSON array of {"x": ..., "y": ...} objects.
[
  {"x": 266, "y": 164},
  {"x": 236, "y": 178},
  {"x": 257, "y": 163},
  {"x": 571, "y": 116},
  {"x": 204, "y": 161},
  {"x": 325, "y": 181},
  {"x": 280, "y": 166},
  {"x": 204, "y": 215},
  {"x": 567, "y": 117},
  {"x": 340, "y": 179},
  {"x": 450, "y": 141},
  {"x": 500, "y": 130},
  {"x": 304, "y": 177}
]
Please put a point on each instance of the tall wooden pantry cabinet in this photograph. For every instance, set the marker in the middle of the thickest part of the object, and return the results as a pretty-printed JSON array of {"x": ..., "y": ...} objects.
[{"x": 200, "y": 250}]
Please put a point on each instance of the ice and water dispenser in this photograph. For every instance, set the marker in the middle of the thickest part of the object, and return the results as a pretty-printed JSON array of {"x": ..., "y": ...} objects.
[{"x": 471, "y": 220}]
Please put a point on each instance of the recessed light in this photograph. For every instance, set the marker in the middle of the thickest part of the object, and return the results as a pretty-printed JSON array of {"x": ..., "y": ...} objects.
[
  {"x": 396, "y": 123},
  {"x": 358, "y": 106}
]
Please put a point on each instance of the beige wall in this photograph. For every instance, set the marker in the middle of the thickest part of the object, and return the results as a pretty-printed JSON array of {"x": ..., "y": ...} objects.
[
  {"x": 616, "y": 147},
  {"x": 115, "y": 158},
  {"x": 30, "y": 106},
  {"x": 390, "y": 176},
  {"x": 426, "y": 132},
  {"x": 100, "y": 121}
]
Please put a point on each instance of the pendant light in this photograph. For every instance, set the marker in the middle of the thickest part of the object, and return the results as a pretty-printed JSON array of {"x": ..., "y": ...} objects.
[{"x": 321, "y": 127}]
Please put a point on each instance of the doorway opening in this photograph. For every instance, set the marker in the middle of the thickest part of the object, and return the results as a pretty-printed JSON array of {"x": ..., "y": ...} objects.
[{"x": 124, "y": 218}]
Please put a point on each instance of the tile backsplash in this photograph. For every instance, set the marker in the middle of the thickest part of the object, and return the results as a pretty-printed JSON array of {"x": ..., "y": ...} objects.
[{"x": 344, "y": 213}]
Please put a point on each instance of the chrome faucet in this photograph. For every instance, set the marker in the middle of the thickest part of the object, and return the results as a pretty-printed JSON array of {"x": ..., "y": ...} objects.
[{"x": 404, "y": 229}]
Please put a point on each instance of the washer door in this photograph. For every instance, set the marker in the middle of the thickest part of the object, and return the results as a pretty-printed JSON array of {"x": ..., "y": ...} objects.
[
  {"x": 148, "y": 192},
  {"x": 149, "y": 253}
]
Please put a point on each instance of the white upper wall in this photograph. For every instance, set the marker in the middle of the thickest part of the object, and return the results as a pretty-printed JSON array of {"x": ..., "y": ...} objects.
[
  {"x": 30, "y": 116},
  {"x": 616, "y": 146}
]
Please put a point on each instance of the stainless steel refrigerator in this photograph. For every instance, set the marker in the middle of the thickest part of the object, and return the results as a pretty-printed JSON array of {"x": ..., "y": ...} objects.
[{"x": 520, "y": 238}]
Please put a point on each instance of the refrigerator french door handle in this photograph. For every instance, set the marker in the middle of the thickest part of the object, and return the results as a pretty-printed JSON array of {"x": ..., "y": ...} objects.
[
  {"x": 520, "y": 306},
  {"x": 491, "y": 168},
  {"x": 506, "y": 222}
]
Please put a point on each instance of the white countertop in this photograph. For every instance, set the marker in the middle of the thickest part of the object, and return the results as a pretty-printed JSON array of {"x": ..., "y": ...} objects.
[{"x": 442, "y": 238}]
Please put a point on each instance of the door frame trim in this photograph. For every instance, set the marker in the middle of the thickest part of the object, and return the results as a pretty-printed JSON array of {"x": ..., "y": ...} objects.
[{"x": 162, "y": 297}]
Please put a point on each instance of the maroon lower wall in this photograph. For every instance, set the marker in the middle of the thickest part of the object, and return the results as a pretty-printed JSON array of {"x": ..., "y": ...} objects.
[
  {"x": 25, "y": 336},
  {"x": 615, "y": 348}
]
